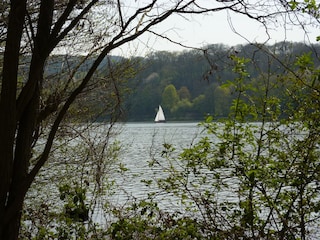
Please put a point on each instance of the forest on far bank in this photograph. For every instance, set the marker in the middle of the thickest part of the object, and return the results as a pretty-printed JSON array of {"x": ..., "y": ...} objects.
[{"x": 192, "y": 84}]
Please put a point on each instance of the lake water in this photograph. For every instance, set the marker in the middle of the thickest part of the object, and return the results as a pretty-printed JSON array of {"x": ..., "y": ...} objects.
[
  {"x": 139, "y": 143},
  {"x": 143, "y": 141}
]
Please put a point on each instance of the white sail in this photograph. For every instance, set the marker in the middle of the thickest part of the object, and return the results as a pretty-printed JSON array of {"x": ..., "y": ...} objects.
[{"x": 160, "y": 115}]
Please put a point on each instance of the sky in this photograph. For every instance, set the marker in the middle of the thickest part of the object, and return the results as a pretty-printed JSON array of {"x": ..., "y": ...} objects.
[{"x": 220, "y": 27}]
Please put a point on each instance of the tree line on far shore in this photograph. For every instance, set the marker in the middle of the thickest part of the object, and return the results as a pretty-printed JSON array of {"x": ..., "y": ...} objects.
[
  {"x": 193, "y": 84},
  {"x": 189, "y": 85}
]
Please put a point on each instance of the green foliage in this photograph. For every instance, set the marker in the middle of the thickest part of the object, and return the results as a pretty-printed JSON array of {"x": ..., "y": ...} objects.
[
  {"x": 222, "y": 100},
  {"x": 104, "y": 99},
  {"x": 145, "y": 220},
  {"x": 62, "y": 203},
  {"x": 74, "y": 207},
  {"x": 69, "y": 222},
  {"x": 307, "y": 6},
  {"x": 184, "y": 93},
  {"x": 254, "y": 180},
  {"x": 253, "y": 174},
  {"x": 206, "y": 87},
  {"x": 169, "y": 97}
]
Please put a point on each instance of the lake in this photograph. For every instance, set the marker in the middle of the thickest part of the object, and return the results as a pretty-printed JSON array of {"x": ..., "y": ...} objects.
[
  {"x": 143, "y": 141},
  {"x": 140, "y": 143}
]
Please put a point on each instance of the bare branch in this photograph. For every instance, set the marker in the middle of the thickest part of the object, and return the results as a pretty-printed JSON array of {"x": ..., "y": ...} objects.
[{"x": 120, "y": 14}]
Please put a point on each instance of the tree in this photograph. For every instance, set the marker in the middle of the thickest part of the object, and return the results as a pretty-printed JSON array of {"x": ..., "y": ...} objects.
[
  {"x": 184, "y": 93},
  {"x": 35, "y": 108},
  {"x": 169, "y": 97},
  {"x": 222, "y": 100},
  {"x": 253, "y": 180}
]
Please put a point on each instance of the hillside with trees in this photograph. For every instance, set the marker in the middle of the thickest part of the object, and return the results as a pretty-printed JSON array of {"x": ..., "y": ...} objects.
[
  {"x": 189, "y": 85},
  {"x": 192, "y": 84}
]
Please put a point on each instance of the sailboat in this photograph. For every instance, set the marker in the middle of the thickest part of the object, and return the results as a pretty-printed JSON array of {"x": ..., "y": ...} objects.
[{"x": 160, "y": 116}]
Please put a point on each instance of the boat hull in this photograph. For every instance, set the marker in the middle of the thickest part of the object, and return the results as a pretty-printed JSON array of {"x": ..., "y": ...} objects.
[{"x": 160, "y": 121}]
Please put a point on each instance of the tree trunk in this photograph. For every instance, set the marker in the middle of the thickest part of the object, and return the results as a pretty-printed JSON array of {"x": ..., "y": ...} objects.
[
  {"x": 11, "y": 226},
  {"x": 21, "y": 123},
  {"x": 19, "y": 183},
  {"x": 8, "y": 119}
]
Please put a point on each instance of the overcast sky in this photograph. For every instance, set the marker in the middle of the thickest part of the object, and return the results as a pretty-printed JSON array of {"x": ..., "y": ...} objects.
[{"x": 202, "y": 30}]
